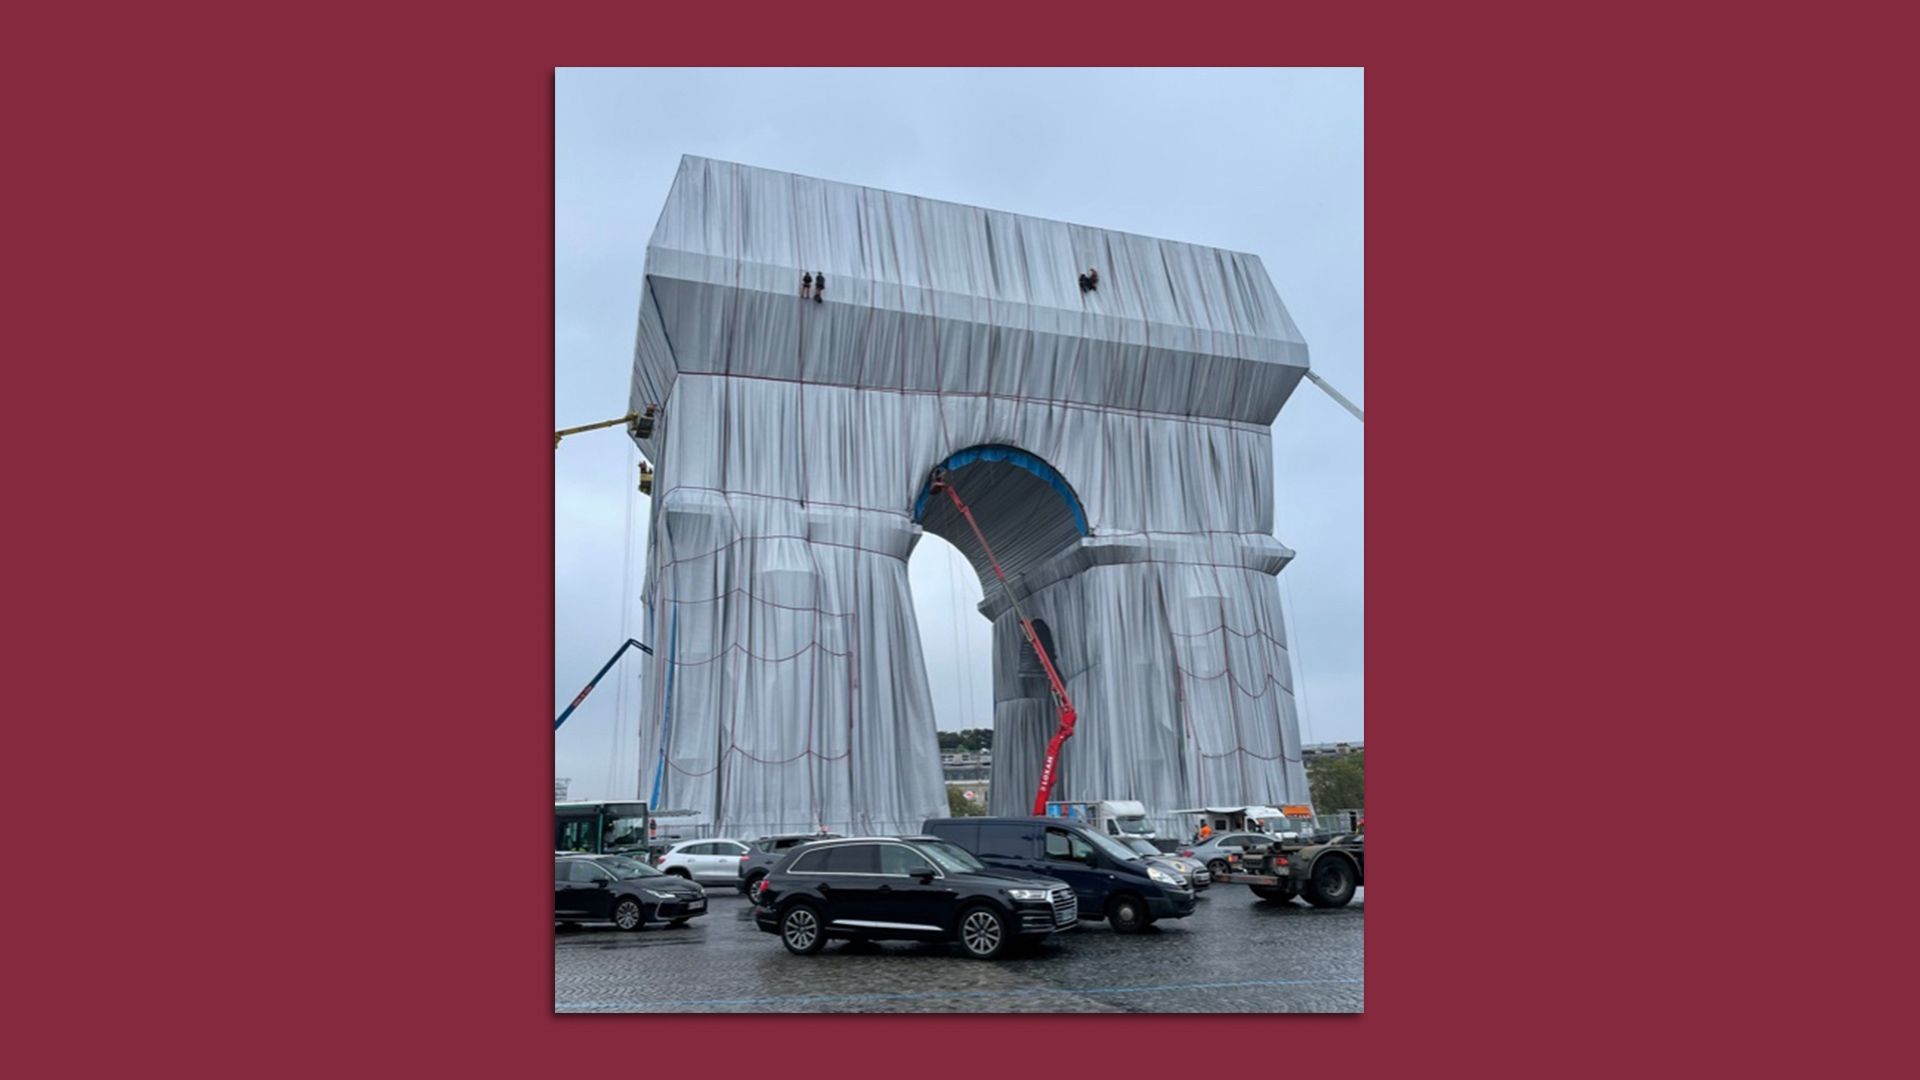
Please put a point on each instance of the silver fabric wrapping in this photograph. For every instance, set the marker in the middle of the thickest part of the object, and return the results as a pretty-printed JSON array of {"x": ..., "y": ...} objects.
[{"x": 787, "y": 690}]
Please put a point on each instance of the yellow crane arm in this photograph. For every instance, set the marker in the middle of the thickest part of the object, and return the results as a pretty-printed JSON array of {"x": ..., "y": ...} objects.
[{"x": 639, "y": 425}]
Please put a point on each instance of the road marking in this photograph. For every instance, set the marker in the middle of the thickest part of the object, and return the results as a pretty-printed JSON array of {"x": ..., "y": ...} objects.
[{"x": 1154, "y": 988}]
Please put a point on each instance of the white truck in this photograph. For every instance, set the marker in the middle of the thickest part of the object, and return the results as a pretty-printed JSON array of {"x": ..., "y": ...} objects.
[
  {"x": 1281, "y": 822},
  {"x": 1115, "y": 817}
]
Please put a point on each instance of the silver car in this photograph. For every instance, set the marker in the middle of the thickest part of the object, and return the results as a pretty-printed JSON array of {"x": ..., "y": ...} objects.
[
  {"x": 1192, "y": 870},
  {"x": 1214, "y": 852}
]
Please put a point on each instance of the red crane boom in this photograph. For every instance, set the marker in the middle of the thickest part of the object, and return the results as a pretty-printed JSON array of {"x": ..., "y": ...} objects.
[{"x": 1050, "y": 768}]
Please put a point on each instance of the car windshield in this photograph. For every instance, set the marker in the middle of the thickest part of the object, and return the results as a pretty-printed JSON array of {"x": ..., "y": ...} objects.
[
  {"x": 627, "y": 868},
  {"x": 949, "y": 856},
  {"x": 1139, "y": 846},
  {"x": 1136, "y": 825},
  {"x": 1113, "y": 848}
]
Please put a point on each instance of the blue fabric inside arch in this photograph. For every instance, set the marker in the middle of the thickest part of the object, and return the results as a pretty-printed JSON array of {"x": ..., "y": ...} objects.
[{"x": 1011, "y": 456}]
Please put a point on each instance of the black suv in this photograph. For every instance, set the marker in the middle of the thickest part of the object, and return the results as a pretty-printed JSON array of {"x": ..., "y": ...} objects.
[
  {"x": 915, "y": 889},
  {"x": 625, "y": 892}
]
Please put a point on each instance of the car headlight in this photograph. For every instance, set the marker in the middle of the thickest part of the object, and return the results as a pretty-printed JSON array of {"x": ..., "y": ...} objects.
[
  {"x": 1029, "y": 894},
  {"x": 658, "y": 895},
  {"x": 1165, "y": 877}
]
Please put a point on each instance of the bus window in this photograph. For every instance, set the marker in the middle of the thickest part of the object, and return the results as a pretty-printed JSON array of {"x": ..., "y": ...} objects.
[{"x": 574, "y": 834}]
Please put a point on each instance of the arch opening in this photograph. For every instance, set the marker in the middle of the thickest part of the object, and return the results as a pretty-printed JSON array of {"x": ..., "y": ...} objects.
[
  {"x": 1027, "y": 510},
  {"x": 1029, "y": 514}
]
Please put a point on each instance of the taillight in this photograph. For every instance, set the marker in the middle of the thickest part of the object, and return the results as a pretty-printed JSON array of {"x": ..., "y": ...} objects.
[{"x": 1187, "y": 854}]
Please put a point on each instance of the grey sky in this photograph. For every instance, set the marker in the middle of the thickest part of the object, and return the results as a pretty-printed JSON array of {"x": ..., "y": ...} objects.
[{"x": 1265, "y": 161}]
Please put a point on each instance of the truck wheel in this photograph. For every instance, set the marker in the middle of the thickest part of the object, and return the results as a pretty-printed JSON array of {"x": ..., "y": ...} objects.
[
  {"x": 1330, "y": 885},
  {"x": 1275, "y": 894},
  {"x": 1127, "y": 914}
]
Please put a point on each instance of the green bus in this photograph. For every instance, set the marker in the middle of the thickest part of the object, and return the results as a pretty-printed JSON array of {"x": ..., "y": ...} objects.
[{"x": 600, "y": 828}]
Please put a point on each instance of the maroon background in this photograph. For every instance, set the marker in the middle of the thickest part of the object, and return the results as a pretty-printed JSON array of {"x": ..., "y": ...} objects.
[{"x": 279, "y": 410}]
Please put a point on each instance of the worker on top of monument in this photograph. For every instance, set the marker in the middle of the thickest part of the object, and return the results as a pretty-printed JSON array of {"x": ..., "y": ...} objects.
[
  {"x": 1090, "y": 280},
  {"x": 806, "y": 285},
  {"x": 819, "y": 286}
]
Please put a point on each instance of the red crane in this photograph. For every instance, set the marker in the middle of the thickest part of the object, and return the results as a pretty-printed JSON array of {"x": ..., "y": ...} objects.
[{"x": 1050, "y": 768}]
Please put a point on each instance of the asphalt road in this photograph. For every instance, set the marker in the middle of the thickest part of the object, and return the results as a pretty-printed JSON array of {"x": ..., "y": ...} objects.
[{"x": 1234, "y": 954}]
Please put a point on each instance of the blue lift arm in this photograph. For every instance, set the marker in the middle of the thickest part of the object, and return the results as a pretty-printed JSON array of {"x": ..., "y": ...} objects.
[{"x": 630, "y": 643}]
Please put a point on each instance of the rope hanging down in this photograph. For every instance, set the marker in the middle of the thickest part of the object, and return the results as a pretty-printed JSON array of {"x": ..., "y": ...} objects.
[{"x": 1336, "y": 395}]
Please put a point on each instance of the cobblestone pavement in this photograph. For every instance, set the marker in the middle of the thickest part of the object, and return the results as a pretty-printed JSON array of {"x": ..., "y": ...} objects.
[{"x": 1234, "y": 954}]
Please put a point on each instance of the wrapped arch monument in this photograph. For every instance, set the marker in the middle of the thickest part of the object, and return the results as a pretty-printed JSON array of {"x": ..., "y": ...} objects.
[{"x": 1114, "y": 445}]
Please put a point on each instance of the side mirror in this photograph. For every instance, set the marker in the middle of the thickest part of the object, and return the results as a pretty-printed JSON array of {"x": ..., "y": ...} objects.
[{"x": 923, "y": 875}]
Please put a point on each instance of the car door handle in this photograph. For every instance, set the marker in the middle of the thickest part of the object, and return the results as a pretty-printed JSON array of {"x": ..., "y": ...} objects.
[{"x": 886, "y": 888}]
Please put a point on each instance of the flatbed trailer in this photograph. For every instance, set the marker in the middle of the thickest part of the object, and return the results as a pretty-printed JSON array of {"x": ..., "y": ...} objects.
[{"x": 1326, "y": 874}]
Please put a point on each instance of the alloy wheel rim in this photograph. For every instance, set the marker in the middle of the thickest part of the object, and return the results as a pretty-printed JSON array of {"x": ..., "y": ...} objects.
[
  {"x": 981, "y": 932},
  {"x": 800, "y": 929},
  {"x": 629, "y": 914}
]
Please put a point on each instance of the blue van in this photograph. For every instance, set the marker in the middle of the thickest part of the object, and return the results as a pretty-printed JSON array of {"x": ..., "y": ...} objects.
[{"x": 1110, "y": 881}]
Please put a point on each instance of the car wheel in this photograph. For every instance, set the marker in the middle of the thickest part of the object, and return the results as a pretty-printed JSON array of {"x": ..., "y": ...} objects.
[
  {"x": 800, "y": 930},
  {"x": 1127, "y": 914},
  {"x": 628, "y": 915},
  {"x": 1331, "y": 883},
  {"x": 984, "y": 933},
  {"x": 747, "y": 885},
  {"x": 1216, "y": 867},
  {"x": 1276, "y": 894}
]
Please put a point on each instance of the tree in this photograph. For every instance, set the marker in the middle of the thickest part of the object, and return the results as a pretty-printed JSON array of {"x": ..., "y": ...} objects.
[
  {"x": 968, "y": 740},
  {"x": 1339, "y": 783}
]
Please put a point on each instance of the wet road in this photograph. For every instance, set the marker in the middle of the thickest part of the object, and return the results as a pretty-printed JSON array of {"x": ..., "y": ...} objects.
[{"x": 1234, "y": 954}]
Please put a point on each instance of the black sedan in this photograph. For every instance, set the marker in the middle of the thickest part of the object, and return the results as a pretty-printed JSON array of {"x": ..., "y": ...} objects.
[{"x": 624, "y": 892}]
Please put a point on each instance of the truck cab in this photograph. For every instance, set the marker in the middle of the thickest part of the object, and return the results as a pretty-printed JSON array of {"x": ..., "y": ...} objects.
[{"x": 1114, "y": 817}]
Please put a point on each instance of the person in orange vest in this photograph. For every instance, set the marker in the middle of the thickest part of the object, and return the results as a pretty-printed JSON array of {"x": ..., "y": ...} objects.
[{"x": 1206, "y": 832}]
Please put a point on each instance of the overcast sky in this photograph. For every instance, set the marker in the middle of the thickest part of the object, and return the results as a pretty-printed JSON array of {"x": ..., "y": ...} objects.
[{"x": 1264, "y": 161}]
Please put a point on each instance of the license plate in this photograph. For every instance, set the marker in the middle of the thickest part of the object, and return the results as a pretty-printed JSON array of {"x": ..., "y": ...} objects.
[{"x": 698, "y": 905}]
